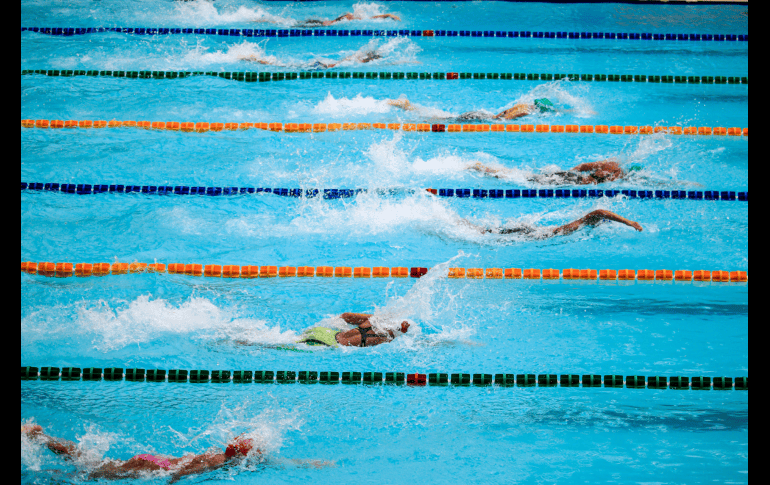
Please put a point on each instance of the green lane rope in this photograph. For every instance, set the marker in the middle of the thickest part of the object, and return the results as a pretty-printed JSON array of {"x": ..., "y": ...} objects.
[
  {"x": 288, "y": 76},
  {"x": 394, "y": 378}
]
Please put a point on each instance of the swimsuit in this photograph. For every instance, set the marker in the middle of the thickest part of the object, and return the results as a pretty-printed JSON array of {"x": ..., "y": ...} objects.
[
  {"x": 161, "y": 462},
  {"x": 524, "y": 229},
  {"x": 320, "y": 336},
  {"x": 475, "y": 115},
  {"x": 365, "y": 335},
  {"x": 328, "y": 336}
]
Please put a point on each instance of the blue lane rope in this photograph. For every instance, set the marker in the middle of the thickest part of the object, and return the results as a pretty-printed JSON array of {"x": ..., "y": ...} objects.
[
  {"x": 87, "y": 189},
  {"x": 70, "y": 31}
]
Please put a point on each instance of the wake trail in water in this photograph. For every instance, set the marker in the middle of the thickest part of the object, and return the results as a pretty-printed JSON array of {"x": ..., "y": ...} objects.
[
  {"x": 564, "y": 95},
  {"x": 396, "y": 51},
  {"x": 108, "y": 327}
]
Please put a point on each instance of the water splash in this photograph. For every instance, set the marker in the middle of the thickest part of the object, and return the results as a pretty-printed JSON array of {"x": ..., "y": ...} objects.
[
  {"x": 118, "y": 325},
  {"x": 368, "y": 10},
  {"x": 564, "y": 94},
  {"x": 200, "y": 55},
  {"x": 339, "y": 107},
  {"x": 399, "y": 50},
  {"x": 266, "y": 428},
  {"x": 203, "y": 12}
]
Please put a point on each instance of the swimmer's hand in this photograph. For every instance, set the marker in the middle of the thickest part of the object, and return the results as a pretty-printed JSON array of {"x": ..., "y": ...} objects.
[
  {"x": 401, "y": 103},
  {"x": 387, "y": 16},
  {"x": 635, "y": 225},
  {"x": 31, "y": 429}
]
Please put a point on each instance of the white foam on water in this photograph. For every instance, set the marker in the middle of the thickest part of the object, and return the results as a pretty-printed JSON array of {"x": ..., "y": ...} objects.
[
  {"x": 393, "y": 165},
  {"x": 200, "y": 55},
  {"x": 451, "y": 165},
  {"x": 111, "y": 326},
  {"x": 360, "y": 105},
  {"x": 93, "y": 445},
  {"x": 266, "y": 428},
  {"x": 368, "y": 10},
  {"x": 398, "y": 50},
  {"x": 31, "y": 457},
  {"x": 371, "y": 214},
  {"x": 203, "y": 12},
  {"x": 339, "y": 107},
  {"x": 431, "y": 307},
  {"x": 91, "y": 448},
  {"x": 564, "y": 94}
]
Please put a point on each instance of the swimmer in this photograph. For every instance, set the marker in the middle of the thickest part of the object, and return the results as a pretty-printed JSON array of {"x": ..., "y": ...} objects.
[
  {"x": 362, "y": 58},
  {"x": 584, "y": 174},
  {"x": 341, "y": 18},
  {"x": 363, "y": 336},
  {"x": 541, "y": 105},
  {"x": 135, "y": 467},
  {"x": 592, "y": 219}
]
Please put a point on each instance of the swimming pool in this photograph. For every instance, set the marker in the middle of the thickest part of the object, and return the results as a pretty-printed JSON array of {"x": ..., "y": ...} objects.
[{"x": 386, "y": 433}]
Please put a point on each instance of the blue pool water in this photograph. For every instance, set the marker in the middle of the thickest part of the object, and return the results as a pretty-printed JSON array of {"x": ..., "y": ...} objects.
[{"x": 385, "y": 434}]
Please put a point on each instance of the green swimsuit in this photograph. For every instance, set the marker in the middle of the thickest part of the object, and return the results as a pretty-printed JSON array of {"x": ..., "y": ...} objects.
[{"x": 320, "y": 336}]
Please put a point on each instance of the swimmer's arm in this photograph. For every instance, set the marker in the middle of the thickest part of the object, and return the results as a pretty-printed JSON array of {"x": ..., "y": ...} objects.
[
  {"x": 401, "y": 103},
  {"x": 199, "y": 464},
  {"x": 255, "y": 59},
  {"x": 516, "y": 112},
  {"x": 347, "y": 16},
  {"x": 593, "y": 218},
  {"x": 387, "y": 16},
  {"x": 480, "y": 167},
  {"x": 605, "y": 165},
  {"x": 58, "y": 446},
  {"x": 481, "y": 229},
  {"x": 355, "y": 318}
]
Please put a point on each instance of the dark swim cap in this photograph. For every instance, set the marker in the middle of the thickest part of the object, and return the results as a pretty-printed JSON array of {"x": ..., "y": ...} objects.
[{"x": 635, "y": 168}]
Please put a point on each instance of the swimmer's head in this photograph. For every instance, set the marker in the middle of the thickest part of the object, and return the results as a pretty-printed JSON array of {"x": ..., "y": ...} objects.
[
  {"x": 544, "y": 105},
  {"x": 239, "y": 447},
  {"x": 371, "y": 56},
  {"x": 404, "y": 326},
  {"x": 635, "y": 168}
]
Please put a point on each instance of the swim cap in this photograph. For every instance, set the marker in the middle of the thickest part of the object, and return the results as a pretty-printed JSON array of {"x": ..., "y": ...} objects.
[
  {"x": 544, "y": 105},
  {"x": 239, "y": 446},
  {"x": 635, "y": 168}
]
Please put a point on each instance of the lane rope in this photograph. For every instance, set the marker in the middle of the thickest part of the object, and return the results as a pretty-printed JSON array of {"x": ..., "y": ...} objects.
[
  {"x": 203, "y": 127},
  {"x": 74, "y": 374},
  {"x": 65, "y": 270},
  {"x": 150, "y": 31},
  {"x": 89, "y": 189},
  {"x": 249, "y": 76}
]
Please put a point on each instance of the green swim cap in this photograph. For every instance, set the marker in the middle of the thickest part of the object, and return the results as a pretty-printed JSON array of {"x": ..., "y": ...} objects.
[
  {"x": 635, "y": 168},
  {"x": 544, "y": 105}
]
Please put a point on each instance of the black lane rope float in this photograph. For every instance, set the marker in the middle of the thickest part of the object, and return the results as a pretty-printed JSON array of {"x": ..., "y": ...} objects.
[{"x": 395, "y": 378}]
